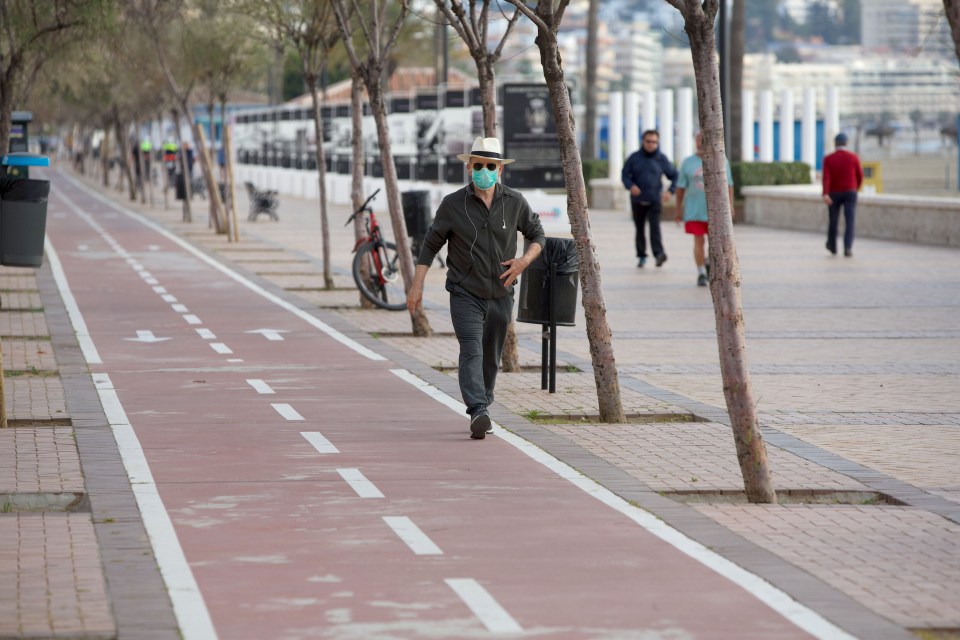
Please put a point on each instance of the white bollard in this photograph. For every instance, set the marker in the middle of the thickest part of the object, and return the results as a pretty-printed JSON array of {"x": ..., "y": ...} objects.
[
  {"x": 684, "y": 124},
  {"x": 666, "y": 122},
  {"x": 766, "y": 126},
  {"x": 746, "y": 126},
  {"x": 808, "y": 129},
  {"x": 831, "y": 118},
  {"x": 649, "y": 110},
  {"x": 631, "y": 108},
  {"x": 787, "y": 120},
  {"x": 615, "y": 136}
]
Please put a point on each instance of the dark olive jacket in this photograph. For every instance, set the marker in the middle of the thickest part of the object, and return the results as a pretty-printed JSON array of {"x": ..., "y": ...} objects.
[{"x": 478, "y": 239}]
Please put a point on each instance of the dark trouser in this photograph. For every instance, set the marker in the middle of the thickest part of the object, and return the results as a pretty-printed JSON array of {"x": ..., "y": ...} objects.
[
  {"x": 481, "y": 327},
  {"x": 847, "y": 200},
  {"x": 641, "y": 213}
]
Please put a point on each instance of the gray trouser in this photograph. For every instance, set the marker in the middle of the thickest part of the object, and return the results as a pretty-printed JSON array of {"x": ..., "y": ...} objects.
[{"x": 481, "y": 327}]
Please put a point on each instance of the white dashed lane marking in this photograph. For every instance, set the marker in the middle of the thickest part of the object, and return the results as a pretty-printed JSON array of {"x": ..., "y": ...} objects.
[
  {"x": 359, "y": 483},
  {"x": 192, "y": 319},
  {"x": 321, "y": 444},
  {"x": 219, "y": 347},
  {"x": 411, "y": 534},
  {"x": 260, "y": 386},
  {"x": 286, "y": 411},
  {"x": 494, "y": 617},
  {"x": 206, "y": 334}
]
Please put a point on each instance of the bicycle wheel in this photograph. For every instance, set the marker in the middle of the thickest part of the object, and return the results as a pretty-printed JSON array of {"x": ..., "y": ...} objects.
[{"x": 383, "y": 285}]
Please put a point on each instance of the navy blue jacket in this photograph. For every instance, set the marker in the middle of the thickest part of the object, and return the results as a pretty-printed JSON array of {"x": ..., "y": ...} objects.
[{"x": 645, "y": 171}]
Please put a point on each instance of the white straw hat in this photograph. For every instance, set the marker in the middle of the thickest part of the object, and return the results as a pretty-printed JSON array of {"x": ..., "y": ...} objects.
[{"x": 485, "y": 148}]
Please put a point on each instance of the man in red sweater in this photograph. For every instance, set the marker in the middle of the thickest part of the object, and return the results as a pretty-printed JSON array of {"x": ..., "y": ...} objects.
[{"x": 842, "y": 177}]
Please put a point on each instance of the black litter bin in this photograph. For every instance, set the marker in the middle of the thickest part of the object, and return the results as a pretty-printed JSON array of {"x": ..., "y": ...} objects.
[
  {"x": 416, "y": 212},
  {"x": 181, "y": 187},
  {"x": 534, "y": 305},
  {"x": 23, "y": 221}
]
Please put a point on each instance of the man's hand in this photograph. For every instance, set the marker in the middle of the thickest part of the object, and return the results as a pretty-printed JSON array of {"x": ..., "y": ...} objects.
[
  {"x": 634, "y": 190},
  {"x": 415, "y": 298},
  {"x": 666, "y": 196},
  {"x": 515, "y": 268},
  {"x": 827, "y": 199}
]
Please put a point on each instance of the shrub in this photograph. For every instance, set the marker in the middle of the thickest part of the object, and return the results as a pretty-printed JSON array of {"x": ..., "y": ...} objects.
[
  {"x": 594, "y": 169},
  {"x": 751, "y": 174}
]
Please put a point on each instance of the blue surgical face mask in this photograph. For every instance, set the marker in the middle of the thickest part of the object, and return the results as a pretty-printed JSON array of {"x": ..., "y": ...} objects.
[{"x": 484, "y": 178}]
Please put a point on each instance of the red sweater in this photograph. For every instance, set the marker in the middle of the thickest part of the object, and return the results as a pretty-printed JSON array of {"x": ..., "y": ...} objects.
[{"x": 842, "y": 172}]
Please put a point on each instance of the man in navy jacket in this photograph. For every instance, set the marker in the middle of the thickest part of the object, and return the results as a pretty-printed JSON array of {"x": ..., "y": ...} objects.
[{"x": 642, "y": 176}]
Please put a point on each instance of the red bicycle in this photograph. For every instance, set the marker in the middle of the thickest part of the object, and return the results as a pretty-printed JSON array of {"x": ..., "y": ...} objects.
[{"x": 376, "y": 265}]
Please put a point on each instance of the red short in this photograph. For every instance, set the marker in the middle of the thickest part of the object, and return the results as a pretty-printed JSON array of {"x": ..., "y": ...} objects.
[{"x": 695, "y": 227}]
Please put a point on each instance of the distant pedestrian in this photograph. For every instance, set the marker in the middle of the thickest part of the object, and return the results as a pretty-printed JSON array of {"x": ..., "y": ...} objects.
[
  {"x": 842, "y": 177},
  {"x": 479, "y": 225},
  {"x": 692, "y": 205},
  {"x": 642, "y": 175}
]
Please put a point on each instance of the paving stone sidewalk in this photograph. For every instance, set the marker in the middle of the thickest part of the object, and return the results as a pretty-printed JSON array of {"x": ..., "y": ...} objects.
[{"x": 854, "y": 367}]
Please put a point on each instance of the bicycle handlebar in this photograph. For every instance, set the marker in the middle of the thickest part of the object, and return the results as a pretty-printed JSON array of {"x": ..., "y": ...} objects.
[{"x": 362, "y": 208}]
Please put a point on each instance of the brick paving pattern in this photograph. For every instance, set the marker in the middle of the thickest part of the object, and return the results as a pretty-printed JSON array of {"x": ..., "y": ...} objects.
[
  {"x": 694, "y": 457},
  {"x": 45, "y": 460},
  {"x": 25, "y": 355},
  {"x": 53, "y": 584},
  {"x": 19, "y": 300},
  {"x": 22, "y": 323},
  {"x": 34, "y": 398},
  {"x": 903, "y": 563}
]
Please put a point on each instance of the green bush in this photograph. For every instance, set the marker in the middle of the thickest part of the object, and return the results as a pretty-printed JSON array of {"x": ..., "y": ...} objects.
[
  {"x": 752, "y": 174},
  {"x": 594, "y": 169}
]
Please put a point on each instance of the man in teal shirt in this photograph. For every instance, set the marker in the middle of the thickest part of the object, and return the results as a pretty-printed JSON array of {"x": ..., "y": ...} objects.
[{"x": 692, "y": 205}]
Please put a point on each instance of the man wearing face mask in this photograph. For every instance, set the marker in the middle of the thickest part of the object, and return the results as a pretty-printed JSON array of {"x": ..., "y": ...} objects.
[{"x": 480, "y": 223}]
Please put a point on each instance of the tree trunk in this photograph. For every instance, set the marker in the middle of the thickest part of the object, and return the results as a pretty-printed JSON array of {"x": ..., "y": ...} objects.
[
  {"x": 185, "y": 168},
  {"x": 594, "y": 307},
  {"x": 3, "y": 394},
  {"x": 216, "y": 211},
  {"x": 6, "y": 104},
  {"x": 488, "y": 95},
  {"x": 950, "y": 7},
  {"x": 356, "y": 183},
  {"x": 725, "y": 267},
  {"x": 737, "y": 41},
  {"x": 421, "y": 326},
  {"x": 105, "y": 155},
  {"x": 141, "y": 162},
  {"x": 124, "y": 158},
  {"x": 322, "y": 178},
  {"x": 590, "y": 88}
]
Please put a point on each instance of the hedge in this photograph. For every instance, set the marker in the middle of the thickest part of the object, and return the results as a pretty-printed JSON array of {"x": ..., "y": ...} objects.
[{"x": 751, "y": 174}]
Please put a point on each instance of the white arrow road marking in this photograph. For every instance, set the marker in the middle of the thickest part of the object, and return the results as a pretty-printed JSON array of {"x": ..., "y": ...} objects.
[
  {"x": 219, "y": 347},
  {"x": 494, "y": 617},
  {"x": 192, "y": 319},
  {"x": 411, "y": 534},
  {"x": 206, "y": 334},
  {"x": 146, "y": 336},
  {"x": 321, "y": 444},
  {"x": 179, "y": 308},
  {"x": 270, "y": 334},
  {"x": 260, "y": 386},
  {"x": 359, "y": 483},
  {"x": 288, "y": 412}
]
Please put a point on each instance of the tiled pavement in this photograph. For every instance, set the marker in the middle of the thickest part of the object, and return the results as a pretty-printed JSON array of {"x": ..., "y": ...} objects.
[{"x": 855, "y": 370}]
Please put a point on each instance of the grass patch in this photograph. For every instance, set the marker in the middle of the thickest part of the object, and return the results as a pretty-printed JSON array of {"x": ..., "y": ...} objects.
[{"x": 31, "y": 372}]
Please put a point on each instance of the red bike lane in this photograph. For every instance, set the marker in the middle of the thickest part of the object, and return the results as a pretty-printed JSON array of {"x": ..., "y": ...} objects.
[{"x": 314, "y": 493}]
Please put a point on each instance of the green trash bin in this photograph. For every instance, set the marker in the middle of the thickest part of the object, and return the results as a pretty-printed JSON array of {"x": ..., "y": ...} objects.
[{"x": 23, "y": 213}]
